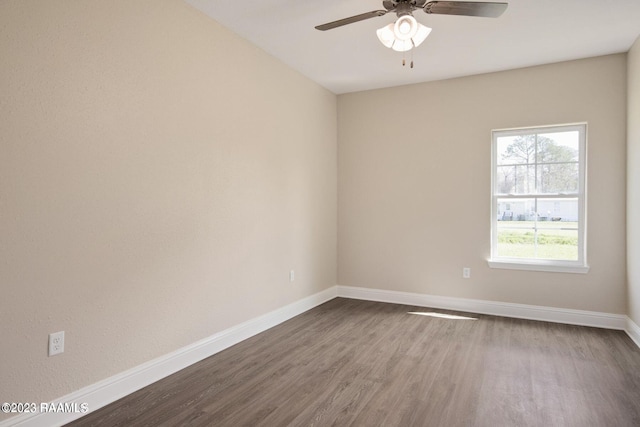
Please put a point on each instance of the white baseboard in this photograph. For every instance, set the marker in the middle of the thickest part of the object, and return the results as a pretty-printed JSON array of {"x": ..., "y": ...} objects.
[
  {"x": 111, "y": 389},
  {"x": 521, "y": 311},
  {"x": 633, "y": 330}
]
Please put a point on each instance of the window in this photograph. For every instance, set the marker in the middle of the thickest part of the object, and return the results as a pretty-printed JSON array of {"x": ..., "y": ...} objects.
[{"x": 538, "y": 199}]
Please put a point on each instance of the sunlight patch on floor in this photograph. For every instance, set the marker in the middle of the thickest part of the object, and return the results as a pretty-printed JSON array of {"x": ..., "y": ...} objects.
[{"x": 442, "y": 315}]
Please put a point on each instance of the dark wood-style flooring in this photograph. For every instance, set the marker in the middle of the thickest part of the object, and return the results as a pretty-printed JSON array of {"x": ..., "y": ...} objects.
[{"x": 360, "y": 363}]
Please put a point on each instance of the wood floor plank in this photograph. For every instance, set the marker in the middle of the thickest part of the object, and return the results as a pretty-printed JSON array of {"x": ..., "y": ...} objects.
[{"x": 359, "y": 363}]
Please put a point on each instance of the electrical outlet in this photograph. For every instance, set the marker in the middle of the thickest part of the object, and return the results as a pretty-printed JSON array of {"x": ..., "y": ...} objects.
[
  {"x": 466, "y": 273},
  {"x": 292, "y": 276},
  {"x": 56, "y": 343}
]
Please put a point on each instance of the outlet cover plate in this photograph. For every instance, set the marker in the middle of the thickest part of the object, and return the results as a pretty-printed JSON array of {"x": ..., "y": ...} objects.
[{"x": 56, "y": 343}]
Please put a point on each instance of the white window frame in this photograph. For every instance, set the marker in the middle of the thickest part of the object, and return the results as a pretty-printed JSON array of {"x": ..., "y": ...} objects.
[{"x": 534, "y": 264}]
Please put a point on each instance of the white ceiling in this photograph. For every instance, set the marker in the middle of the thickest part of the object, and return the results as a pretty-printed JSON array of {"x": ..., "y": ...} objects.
[{"x": 350, "y": 58}]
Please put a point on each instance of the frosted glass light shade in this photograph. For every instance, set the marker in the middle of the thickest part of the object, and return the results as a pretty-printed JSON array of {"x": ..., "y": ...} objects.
[
  {"x": 402, "y": 45},
  {"x": 411, "y": 35},
  {"x": 421, "y": 35},
  {"x": 386, "y": 36},
  {"x": 405, "y": 27}
]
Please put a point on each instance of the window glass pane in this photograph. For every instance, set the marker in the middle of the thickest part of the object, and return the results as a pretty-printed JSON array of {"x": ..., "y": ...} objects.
[
  {"x": 528, "y": 242},
  {"x": 538, "y": 228},
  {"x": 518, "y": 149},
  {"x": 516, "y": 179},
  {"x": 558, "y": 178},
  {"x": 558, "y": 244},
  {"x": 558, "y": 147},
  {"x": 564, "y": 212},
  {"x": 516, "y": 242},
  {"x": 516, "y": 210},
  {"x": 525, "y": 179},
  {"x": 505, "y": 180}
]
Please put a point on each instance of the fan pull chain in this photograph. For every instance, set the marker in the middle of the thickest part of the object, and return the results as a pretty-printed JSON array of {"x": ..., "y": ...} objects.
[{"x": 404, "y": 61}]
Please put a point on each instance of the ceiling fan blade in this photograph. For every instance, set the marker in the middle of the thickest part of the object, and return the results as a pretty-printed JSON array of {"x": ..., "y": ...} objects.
[
  {"x": 351, "y": 20},
  {"x": 466, "y": 8}
]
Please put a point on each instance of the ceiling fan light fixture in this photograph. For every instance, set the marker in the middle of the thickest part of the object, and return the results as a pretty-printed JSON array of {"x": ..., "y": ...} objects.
[
  {"x": 405, "y": 27},
  {"x": 402, "y": 45},
  {"x": 421, "y": 35},
  {"x": 386, "y": 36}
]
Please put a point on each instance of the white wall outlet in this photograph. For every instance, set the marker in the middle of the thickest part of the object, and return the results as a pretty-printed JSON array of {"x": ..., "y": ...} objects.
[
  {"x": 56, "y": 343},
  {"x": 292, "y": 276},
  {"x": 466, "y": 273}
]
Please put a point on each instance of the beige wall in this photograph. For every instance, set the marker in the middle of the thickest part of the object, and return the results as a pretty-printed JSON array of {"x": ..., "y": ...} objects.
[
  {"x": 159, "y": 177},
  {"x": 414, "y": 183},
  {"x": 633, "y": 182}
]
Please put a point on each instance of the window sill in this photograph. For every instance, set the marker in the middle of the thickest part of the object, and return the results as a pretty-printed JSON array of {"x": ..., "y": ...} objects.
[{"x": 530, "y": 266}]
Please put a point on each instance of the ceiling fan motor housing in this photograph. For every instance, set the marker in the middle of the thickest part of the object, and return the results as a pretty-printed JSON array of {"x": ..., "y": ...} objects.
[{"x": 404, "y": 8}]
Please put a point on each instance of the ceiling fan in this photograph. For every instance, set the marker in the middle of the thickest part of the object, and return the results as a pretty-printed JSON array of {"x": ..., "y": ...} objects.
[{"x": 406, "y": 33}]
